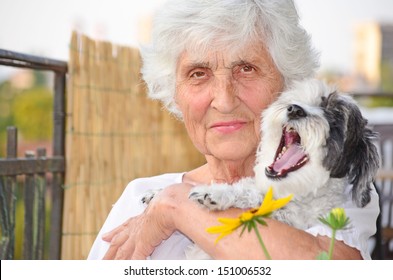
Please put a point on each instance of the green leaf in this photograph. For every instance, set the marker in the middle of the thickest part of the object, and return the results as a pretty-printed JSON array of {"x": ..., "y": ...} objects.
[
  {"x": 323, "y": 256},
  {"x": 251, "y": 225},
  {"x": 325, "y": 221},
  {"x": 261, "y": 221},
  {"x": 243, "y": 229}
]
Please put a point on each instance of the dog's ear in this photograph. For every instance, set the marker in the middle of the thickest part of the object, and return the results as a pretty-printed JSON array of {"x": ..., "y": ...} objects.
[
  {"x": 365, "y": 164},
  {"x": 351, "y": 151}
]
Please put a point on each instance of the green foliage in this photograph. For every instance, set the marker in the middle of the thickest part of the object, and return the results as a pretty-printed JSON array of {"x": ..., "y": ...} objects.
[
  {"x": 6, "y": 98},
  {"x": 31, "y": 110},
  {"x": 33, "y": 113},
  {"x": 387, "y": 77},
  {"x": 376, "y": 101},
  {"x": 6, "y": 116}
]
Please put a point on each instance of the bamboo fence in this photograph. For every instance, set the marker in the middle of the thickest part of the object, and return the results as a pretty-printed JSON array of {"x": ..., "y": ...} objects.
[{"x": 114, "y": 134}]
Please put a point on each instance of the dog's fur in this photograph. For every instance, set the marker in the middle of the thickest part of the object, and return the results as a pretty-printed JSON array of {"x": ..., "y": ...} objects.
[{"x": 333, "y": 149}]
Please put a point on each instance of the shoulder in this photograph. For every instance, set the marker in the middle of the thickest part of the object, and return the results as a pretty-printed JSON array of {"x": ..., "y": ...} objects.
[
  {"x": 163, "y": 179},
  {"x": 139, "y": 186}
]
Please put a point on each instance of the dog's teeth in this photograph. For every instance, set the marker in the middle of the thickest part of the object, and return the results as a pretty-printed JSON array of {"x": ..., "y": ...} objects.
[{"x": 303, "y": 160}]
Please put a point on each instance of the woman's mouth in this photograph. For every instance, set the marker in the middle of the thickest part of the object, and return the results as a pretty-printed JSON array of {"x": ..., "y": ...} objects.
[{"x": 228, "y": 127}]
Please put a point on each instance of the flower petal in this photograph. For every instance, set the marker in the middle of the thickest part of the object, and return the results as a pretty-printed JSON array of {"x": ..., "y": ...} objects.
[
  {"x": 246, "y": 216},
  {"x": 228, "y": 226},
  {"x": 223, "y": 230},
  {"x": 269, "y": 204},
  {"x": 230, "y": 221},
  {"x": 281, "y": 202},
  {"x": 266, "y": 203}
]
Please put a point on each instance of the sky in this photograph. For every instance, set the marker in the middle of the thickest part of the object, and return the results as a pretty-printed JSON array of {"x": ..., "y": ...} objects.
[{"x": 43, "y": 27}]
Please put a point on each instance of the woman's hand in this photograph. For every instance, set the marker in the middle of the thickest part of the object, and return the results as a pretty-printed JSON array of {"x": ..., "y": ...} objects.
[
  {"x": 138, "y": 236},
  {"x": 134, "y": 239}
]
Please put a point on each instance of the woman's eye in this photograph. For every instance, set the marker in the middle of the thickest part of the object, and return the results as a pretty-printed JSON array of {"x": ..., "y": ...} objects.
[
  {"x": 245, "y": 72},
  {"x": 247, "y": 69},
  {"x": 198, "y": 75}
]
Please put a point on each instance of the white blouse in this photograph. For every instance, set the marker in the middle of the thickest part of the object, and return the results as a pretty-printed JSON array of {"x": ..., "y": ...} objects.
[{"x": 362, "y": 226}]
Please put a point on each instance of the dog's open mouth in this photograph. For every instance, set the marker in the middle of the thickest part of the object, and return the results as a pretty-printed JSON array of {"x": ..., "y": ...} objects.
[{"x": 290, "y": 155}]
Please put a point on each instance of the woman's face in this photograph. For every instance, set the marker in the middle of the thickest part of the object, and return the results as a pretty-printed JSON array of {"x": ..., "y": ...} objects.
[{"x": 222, "y": 96}]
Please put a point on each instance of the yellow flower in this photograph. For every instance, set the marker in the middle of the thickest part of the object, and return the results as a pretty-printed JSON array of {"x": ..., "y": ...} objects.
[
  {"x": 339, "y": 215},
  {"x": 268, "y": 205},
  {"x": 336, "y": 219}
]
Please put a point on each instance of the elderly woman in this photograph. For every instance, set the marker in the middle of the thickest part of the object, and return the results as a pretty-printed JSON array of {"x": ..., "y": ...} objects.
[{"x": 217, "y": 65}]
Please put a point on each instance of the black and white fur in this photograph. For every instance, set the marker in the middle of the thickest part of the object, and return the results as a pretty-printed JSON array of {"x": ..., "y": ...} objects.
[{"x": 339, "y": 150}]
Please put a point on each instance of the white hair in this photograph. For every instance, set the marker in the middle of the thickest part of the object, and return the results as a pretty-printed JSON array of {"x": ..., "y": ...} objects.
[{"x": 200, "y": 26}]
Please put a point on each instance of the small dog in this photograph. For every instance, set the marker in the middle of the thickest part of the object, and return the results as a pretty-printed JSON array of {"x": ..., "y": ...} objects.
[{"x": 315, "y": 142}]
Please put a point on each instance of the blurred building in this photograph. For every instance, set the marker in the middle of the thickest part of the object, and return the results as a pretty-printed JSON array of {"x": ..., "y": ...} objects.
[
  {"x": 144, "y": 28},
  {"x": 374, "y": 56},
  {"x": 22, "y": 79}
]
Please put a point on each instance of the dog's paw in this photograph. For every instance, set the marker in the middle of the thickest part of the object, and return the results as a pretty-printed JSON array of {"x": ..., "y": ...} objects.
[
  {"x": 204, "y": 199},
  {"x": 148, "y": 196},
  {"x": 242, "y": 194}
]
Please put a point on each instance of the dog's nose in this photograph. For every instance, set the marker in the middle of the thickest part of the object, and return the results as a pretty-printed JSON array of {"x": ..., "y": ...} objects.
[{"x": 295, "y": 112}]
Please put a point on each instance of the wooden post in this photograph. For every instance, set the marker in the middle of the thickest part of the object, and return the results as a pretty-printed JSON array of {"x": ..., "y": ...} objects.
[
  {"x": 29, "y": 244},
  {"x": 8, "y": 200},
  {"x": 39, "y": 202},
  {"x": 58, "y": 178}
]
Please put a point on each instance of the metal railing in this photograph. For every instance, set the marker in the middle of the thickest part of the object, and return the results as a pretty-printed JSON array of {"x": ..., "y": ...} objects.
[{"x": 34, "y": 168}]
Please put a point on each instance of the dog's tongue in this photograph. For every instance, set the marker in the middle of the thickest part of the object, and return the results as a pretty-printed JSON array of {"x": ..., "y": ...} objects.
[{"x": 291, "y": 157}]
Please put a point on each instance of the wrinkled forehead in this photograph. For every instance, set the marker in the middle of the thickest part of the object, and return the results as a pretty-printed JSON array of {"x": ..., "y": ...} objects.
[{"x": 225, "y": 56}]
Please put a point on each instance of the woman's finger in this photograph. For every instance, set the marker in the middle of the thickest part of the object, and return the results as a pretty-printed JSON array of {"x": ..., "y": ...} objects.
[
  {"x": 125, "y": 251},
  {"x": 142, "y": 251},
  {"x": 111, "y": 234},
  {"x": 116, "y": 243}
]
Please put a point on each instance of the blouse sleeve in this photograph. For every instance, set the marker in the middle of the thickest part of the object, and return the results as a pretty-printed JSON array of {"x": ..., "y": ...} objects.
[{"x": 129, "y": 205}]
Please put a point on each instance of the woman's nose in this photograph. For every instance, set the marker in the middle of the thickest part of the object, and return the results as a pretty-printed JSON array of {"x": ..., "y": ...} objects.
[{"x": 224, "y": 95}]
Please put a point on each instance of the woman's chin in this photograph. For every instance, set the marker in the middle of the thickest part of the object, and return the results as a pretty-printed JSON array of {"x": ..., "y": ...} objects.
[{"x": 232, "y": 151}]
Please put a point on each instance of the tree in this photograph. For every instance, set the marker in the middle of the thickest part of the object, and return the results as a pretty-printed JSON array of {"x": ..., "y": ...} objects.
[{"x": 32, "y": 112}]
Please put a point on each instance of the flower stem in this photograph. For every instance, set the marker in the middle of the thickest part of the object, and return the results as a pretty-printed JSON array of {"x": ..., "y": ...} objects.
[
  {"x": 262, "y": 244},
  {"x": 332, "y": 243}
]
